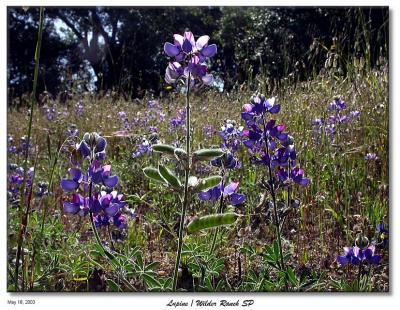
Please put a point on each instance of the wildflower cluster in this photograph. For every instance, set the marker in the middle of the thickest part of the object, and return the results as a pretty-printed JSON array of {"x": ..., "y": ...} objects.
[
  {"x": 17, "y": 149},
  {"x": 188, "y": 59},
  {"x": 93, "y": 189},
  {"x": 15, "y": 180},
  {"x": 229, "y": 193},
  {"x": 337, "y": 117},
  {"x": 79, "y": 108},
  {"x": 50, "y": 112},
  {"x": 232, "y": 135},
  {"x": 145, "y": 146},
  {"x": 268, "y": 142},
  {"x": 361, "y": 252}
]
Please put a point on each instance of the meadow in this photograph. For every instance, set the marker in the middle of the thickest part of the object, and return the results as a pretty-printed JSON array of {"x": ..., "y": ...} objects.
[
  {"x": 275, "y": 185},
  {"x": 347, "y": 194}
]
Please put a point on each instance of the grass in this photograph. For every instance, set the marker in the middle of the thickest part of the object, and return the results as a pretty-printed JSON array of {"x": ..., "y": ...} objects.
[{"x": 347, "y": 195}]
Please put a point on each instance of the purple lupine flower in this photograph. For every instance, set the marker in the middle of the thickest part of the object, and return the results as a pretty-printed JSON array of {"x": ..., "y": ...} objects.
[
  {"x": 153, "y": 104},
  {"x": 79, "y": 108},
  {"x": 50, "y": 113},
  {"x": 356, "y": 255},
  {"x": 124, "y": 119},
  {"x": 268, "y": 142},
  {"x": 75, "y": 205},
  {"x": 143, "y": 148},
  {"x": 15, "y": 179},
  {"x": 371, "y": 157},
  {"x": 192, "y": 54},
  {"x": 72, "y": 184},
  {"x": 229, "y": 192},
  {"x": 337, "y": 105},
  {"x": 232, "y": 135},
  {"x": 383, "y": 234},
  {"x": 106, "y": 206},
  {"x": 11, "y": 148},
  {"x": 102, "y": 174},
  {"x": 227, "y": 161},
  {"x": 42, "y": 189},
  {"x": 317, "y": 122},
  {"x": 354, "y": 114},
  {"x": 208, "y": 130},
  {"x": 72, "y": 130}
]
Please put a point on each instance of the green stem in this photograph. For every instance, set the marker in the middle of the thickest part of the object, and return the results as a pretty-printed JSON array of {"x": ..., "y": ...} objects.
[
  {"x": 186, "y": 189},
  {"x": 272, "y": 191},
  {"x": 28, "y": 139},
  {"x": 359, "y": 276},
  {"x": 220, "y": 209}
]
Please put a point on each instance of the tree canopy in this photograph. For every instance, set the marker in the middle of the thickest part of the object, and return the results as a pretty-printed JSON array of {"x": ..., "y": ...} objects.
[{"x": 121, "y": 48}]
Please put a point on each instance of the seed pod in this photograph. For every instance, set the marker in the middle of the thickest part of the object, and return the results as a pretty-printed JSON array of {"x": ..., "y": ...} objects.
[
  {"x": 362, "y": 241},
  {"x": 152, "y": 173},
  {"x": 169, "y": 177},
  {"x": 164, "y": 148},
  {"x": 207, "y": 154},
  {"x": 210, "y": 221},
  {"x": 207, "y": 183}
]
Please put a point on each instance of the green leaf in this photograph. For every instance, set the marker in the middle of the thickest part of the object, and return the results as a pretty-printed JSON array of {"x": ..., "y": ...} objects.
[
  {"x": 207, "y": 154},
  {"x": 211, "y": 221},
  {"x": 152, "y": 266},
  {"x": 154, "y": 174},
  {"x": 150, "y": 280},
  {"x": 164, "y": 149},
  {"x": 207, "y": 183},
  {"x": 169, "y": 176},
  {"x": 292, "y": 277},
  {"x": 114, "y": 287}
]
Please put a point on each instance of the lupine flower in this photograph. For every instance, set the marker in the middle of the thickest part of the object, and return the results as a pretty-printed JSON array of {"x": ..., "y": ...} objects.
[
  {"x": 317, "y": 122},
  {"x": 178, "y": 121},
  {"x": 337, "y": 105},
  {"x": 153, "y": 104},
  {"x": 106, "y": 206},
  {"x": 124, "y": 119},
  {"x": 16, "y": 178},
  {"x": 208, "y": 131},
  {"x": 356, "y": 255},
  {"x": 229, "y": 192},
  {"x": 371, "y": 157},
  {"x": 383, "y": 234},
  {"x": 143, "y": 148},
  {"x": 227, "y": 161},
  {"x": 268, "y": 142},
  {"x": 232, "y": 135},
  {"x": 188, "y": 58},
  {"x": 79, "y": 108},
  {"x": 42, "y": 189},
  {"x": 50, "y": 113},
  {"x": 72, "y": 130},
  {"x": 11, "y": 148}
]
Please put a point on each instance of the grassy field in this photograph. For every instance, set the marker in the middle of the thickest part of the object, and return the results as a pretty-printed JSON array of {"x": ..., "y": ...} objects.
[{"x": 347, "y": 195}]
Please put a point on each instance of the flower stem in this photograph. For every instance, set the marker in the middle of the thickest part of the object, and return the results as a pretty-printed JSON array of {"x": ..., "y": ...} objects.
[
  {"x": 186, "y": 189},
  {"x": 220, "y": 209},
  {"x": 359, "y": 277},
  {"x": 272, "y": 191},
  {"x": 28, "y": 139}
]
